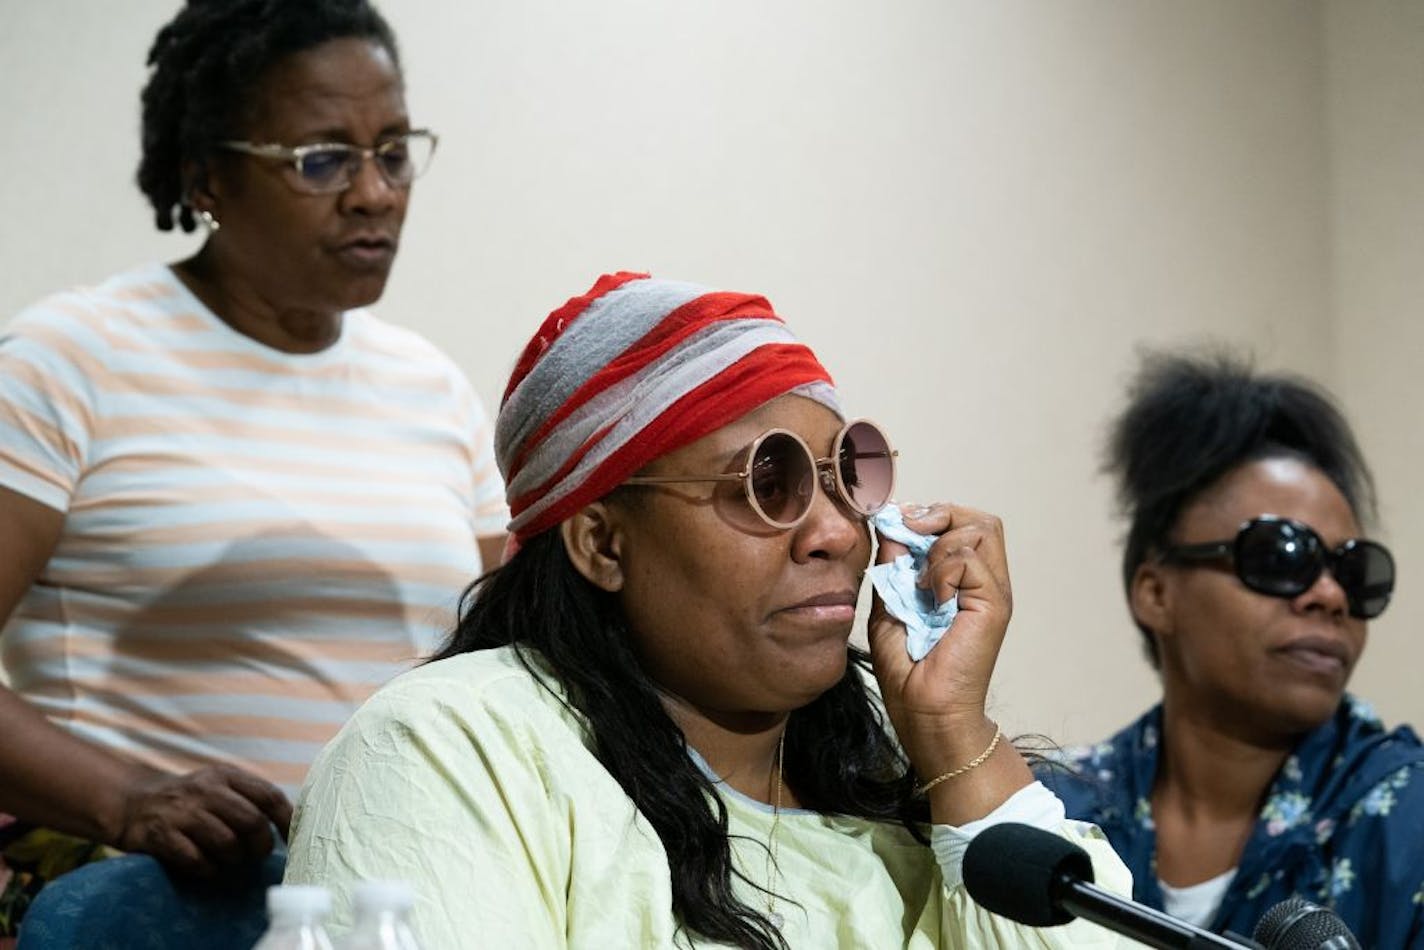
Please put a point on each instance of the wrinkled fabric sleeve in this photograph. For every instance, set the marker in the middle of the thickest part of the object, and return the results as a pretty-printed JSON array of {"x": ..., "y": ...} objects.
[
  {"x": 458, "y": 804},
  {"x": 1031, "y": 805}
]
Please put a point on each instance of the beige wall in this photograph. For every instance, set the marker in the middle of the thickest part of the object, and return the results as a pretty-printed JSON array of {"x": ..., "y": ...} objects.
[
  {"x": 1375, "y": 116},
  {"x": 976, "y": 212}
]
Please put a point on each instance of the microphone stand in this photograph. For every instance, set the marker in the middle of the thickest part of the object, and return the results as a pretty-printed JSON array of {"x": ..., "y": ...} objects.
[{"x": 1141, "y": 923}]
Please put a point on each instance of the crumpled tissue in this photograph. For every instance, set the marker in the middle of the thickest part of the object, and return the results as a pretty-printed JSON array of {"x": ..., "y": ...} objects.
[{"x": 925, "y": 622}]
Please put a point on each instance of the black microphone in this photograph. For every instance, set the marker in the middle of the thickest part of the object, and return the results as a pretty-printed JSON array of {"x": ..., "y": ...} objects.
[
  {"x": 1041, "y": 879},
  {"x": 1297, "y": 924}
]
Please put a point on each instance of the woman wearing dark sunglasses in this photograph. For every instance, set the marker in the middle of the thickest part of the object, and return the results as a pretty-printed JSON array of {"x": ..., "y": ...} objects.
[
  {"x": 232, "y": 500},
  {"x": 1250, "y": 577},
  {"x": 648, "y": 729}
]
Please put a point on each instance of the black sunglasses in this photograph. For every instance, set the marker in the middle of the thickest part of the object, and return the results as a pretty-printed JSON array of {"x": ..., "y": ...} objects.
[{"x": 1283, "y": 558}]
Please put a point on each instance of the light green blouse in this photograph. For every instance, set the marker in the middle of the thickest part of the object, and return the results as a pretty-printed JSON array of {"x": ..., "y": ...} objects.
[{"x": 468, "y": 779}]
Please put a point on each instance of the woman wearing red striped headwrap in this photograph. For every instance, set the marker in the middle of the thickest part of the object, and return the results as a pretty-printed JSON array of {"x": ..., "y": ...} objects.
[{"x": 649, "y": 728}]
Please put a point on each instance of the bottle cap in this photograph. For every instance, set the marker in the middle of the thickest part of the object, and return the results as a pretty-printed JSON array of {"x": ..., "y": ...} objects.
[
  {"x": 384, "y": 895},
  {"x": 290, "y": 899}
]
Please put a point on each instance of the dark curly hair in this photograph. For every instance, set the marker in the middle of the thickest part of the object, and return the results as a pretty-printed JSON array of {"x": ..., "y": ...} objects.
[
  {"x": 839, "y": 756},
  {"x": 205, "y": 65},
  {"x": 1191, "y": 419}
]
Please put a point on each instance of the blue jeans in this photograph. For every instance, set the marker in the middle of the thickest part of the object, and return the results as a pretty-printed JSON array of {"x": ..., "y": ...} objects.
[{"x": 131, "y": 902}]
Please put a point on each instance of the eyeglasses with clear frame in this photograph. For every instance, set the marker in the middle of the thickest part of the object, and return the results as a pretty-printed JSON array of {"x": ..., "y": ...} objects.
[
  {"x": 781, "y": 472},
  {"x": 328, "y": 167}
]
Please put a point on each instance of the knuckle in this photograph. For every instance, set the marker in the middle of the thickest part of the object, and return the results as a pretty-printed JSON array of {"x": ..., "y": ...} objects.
[
  {"x": 201, "y": 779},
  {"x": 225, "y": 838},
  {"x": 248, "y": 820}
]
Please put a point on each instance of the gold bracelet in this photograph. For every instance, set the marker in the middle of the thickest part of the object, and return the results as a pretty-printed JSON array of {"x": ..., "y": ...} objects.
[{"x": 973, "y": 763}]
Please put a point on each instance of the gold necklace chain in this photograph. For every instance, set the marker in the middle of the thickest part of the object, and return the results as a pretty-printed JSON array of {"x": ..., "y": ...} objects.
[{"x": 771, "y": 866}]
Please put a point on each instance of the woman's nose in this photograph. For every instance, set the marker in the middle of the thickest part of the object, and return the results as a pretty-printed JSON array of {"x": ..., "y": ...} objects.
[
  {"x": 831, "y": 529},
  {"x": 1324, "y": 594}
]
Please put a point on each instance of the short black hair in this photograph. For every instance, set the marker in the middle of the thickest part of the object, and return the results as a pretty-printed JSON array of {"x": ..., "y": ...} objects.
[
  {"x": 206, "y": 63},
  {"x": 1192, "y": 418}
]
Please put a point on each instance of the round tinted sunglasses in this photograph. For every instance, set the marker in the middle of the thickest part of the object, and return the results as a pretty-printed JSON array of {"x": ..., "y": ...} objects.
[
  {"x": 781, "y": 473},
  {"x": 1284, "y": 558}
]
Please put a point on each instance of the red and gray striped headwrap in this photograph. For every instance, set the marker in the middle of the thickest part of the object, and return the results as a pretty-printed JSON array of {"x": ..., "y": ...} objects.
[{"x": 628, "y": 372}]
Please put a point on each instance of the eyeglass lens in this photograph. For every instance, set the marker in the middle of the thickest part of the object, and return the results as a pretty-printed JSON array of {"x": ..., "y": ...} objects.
[
  {"x": 1284, "y": 558},
  {"x": 782, "y": 479},
  {"x": 782, "y": 474},
  {"x": 400, "y": 160},
  {"x": 1277, "y": 558},
  {"x": 865, "y": 468},
  {"x": 1366, "y": 571}
]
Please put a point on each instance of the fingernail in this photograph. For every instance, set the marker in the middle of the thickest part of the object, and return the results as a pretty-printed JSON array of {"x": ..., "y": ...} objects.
[{"x": 914, "y": 511}]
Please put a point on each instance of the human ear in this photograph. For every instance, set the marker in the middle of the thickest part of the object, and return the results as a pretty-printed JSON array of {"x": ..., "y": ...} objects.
[
  {"x": 1150, "y": 597},
  {"x": 594, "y": 546},
  {"x": 198, "y": 191}
]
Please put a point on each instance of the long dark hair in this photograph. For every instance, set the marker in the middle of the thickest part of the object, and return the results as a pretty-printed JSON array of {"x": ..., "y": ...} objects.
[
  {"x": 839, "y": 756},
  {"x": 206, "y": 64},
  {"x": 1192, "y": 418}
]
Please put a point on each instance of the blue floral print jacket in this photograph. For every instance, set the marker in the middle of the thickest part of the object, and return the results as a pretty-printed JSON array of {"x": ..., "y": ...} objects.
[{"x": 1342, "y": 825}]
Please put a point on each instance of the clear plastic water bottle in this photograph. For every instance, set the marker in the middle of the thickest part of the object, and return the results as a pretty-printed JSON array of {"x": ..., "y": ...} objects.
[
  {"x": 297, "y": 915},
  {"x": 382, "y": 910}
]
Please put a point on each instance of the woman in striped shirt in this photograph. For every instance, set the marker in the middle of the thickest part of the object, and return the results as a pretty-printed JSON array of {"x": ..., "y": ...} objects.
[{"x": 232, "y": 501}]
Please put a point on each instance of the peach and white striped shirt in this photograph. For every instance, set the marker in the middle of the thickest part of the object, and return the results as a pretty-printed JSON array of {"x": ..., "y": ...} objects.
[{"x": 254, "y": 540}]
